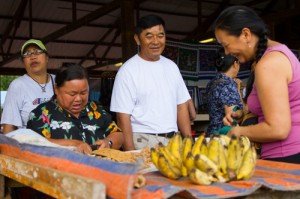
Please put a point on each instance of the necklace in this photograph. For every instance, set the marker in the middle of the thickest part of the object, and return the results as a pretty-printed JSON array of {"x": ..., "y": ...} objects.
[{"x": 42, "y": 87}]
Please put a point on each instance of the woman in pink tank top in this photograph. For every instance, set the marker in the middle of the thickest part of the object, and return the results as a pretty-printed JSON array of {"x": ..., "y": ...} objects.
[{"x": 273, "y": 90}]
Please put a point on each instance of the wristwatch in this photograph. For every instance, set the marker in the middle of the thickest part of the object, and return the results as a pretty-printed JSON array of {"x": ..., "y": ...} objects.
[{"x": 110, "y": 143}]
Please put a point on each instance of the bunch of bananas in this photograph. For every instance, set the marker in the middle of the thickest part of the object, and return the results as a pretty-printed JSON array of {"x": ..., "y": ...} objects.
[{"x": 221, "y": 159}]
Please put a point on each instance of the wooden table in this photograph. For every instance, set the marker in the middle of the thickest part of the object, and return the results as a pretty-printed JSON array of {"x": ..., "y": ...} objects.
[{"x": 55, "y": 183}]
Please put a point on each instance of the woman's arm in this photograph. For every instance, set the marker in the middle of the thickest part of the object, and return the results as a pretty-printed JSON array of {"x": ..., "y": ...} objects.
[
  {"x": 8, "y": 128},
  {"x": 272, "y": 75},
  {"x": 115, "y": 138}
]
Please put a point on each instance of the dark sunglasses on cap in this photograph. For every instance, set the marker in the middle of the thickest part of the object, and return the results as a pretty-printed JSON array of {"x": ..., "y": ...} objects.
[{"x": 34, "y": 52}]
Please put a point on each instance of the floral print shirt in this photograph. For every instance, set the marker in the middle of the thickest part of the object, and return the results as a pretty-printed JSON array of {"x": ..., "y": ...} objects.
[
  {"x": 221, "y": 90},
  {"x": 51, "y": 121}
]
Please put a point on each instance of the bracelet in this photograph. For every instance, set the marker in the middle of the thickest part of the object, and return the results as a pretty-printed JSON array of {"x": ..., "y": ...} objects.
[{"x": 110, "y": 143}]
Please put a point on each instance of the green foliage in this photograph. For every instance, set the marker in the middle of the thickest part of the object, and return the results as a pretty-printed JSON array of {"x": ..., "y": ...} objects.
[{"x": 5, "y": 80}]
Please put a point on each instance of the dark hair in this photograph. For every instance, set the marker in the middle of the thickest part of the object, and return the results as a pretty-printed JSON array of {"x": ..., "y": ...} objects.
[
  {"x": 233, "y": 19},
  {"x": 224, "y": 62},
  {"x": 148, "y": 21},
  {"x": 70, "y": 72}
]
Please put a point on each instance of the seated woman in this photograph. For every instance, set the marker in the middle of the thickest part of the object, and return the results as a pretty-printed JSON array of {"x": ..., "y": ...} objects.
[
  {"x": 223, "y": 90},
  {"x": 69, "y": 119}
]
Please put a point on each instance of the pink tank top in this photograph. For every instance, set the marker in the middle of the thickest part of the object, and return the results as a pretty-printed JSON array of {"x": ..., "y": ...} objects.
[{"x": 291, "y": 145}]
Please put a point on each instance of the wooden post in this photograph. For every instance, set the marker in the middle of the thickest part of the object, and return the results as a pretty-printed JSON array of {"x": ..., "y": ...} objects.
[{"x": 127, "y": 26}]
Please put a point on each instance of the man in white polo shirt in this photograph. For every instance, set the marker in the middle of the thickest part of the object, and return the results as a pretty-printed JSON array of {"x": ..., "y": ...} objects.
[{"x": 149, "y": 94}]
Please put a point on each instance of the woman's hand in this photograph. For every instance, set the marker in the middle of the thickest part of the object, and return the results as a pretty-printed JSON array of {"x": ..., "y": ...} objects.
[
  {"x": 103, "y": 143},
  {"x": 83, "y": 147},
  {"x": 234, "y": 131},
  {"x": 231, "y": 115}
]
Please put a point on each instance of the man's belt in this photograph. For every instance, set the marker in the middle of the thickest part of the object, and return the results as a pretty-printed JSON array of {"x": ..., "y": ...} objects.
[{"x": 167, "y": 135}]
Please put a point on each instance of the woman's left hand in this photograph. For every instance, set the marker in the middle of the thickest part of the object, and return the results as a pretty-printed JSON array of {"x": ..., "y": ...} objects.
[
  {"x": 102, "y": 143},
  {"x": 234, "y": 131}
]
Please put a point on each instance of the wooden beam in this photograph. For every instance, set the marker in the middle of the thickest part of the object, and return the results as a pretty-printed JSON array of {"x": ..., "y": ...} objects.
[
  {"x": 80, "y": 22},
  {"x": 51, "y": 21},
  {"x": 199, "y": 10},
  {"x": 63, "y": 41},
  {"x": 73, "y": 26},
  {"x": 74, "y": 11},
  {"x": 127, "y": 26},
  {"x": 195, "y": 34},
  {"x": 15, "y": 21},
  {"x": 281, "y": 16},
  {"x": 99, "y": 42},
  {"x": 30, "y": 18},
  {"x": 50, "y": 181},
  {"x": 104, "y": 64},
  {"x": 117, "y": 33}
]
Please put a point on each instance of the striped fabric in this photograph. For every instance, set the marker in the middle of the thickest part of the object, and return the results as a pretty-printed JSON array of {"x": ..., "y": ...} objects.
[{"x": 119, "y": 178}]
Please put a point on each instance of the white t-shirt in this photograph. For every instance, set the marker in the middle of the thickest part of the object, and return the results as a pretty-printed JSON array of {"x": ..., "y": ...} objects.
[
  {"x": 149, "y": 92},
  {"x": 23, "y": 95}
]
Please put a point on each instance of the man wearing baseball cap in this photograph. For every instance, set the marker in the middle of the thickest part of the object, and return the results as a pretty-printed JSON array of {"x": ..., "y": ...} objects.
[{"x": 28, "y": 91}]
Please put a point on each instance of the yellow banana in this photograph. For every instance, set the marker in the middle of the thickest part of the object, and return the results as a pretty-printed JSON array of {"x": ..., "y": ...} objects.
[
  {"x": 203, "y": 163},
  {"x": 248, "y": 164},
  {"x": 197, "y": 145},
  {"x": 225, "y": 140},
  {"x": 166, "y": 169},
  {"x": 222, "y": 159},
  {"x": 154, "y": 156},
  {"x": 245, "y": 143},
  {"x": 203, "y": 148},
  {"x": 170, "y": 143},
  {"x": 199, "y": 177},
  {"x": 189, "y": 162},
  {"x": 184, "y": 171},
  {"x": 176, "y": 146},
  {"x": 234, "y": 157},
  {"x": 187, "y": 147},
  {"x": 173, "y": 161},
  {"x": 213, "y": 150}
]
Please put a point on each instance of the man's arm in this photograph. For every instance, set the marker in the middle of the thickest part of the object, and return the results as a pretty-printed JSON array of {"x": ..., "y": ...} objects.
[
  {"x": 192, "y": 109},
  {"x": 183, "y": 119},
  {"x": 124, "y": 123}
]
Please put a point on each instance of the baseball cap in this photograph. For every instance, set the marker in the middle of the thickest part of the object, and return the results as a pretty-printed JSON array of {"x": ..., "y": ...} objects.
[{"x": 33, "y": 42}]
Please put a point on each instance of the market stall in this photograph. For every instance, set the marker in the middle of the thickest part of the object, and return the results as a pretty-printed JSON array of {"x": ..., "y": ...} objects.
[{"x": 269, "y": 178}]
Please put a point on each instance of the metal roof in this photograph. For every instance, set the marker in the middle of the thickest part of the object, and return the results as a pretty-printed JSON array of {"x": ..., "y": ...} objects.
[{"x": 90, "y": 32}]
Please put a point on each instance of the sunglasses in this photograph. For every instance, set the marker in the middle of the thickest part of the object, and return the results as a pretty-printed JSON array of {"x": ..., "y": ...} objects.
[{"x": 34, "y": 52}]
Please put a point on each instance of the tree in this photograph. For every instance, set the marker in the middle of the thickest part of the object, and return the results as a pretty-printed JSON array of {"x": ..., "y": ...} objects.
[{"x": 5, "y": 80}]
